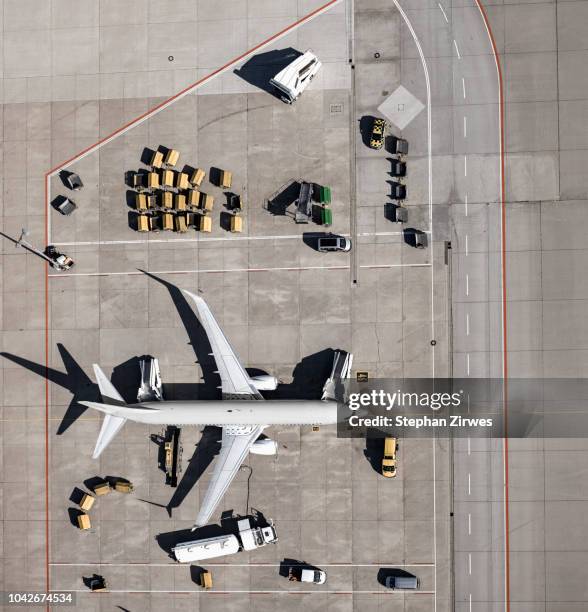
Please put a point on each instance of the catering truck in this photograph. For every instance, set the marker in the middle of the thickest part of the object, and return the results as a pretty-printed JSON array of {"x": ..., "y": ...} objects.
[
  {"x": 296, "y": 76},
  {"x": 248, "y": 538}
]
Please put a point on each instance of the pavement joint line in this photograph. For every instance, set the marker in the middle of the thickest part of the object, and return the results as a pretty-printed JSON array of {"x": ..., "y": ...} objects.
[
  {"x": 388, "y": 592},
  {"x": 234, "y": 270},
  {"x": 178, "y": 96},
  {"x": 214, "y": 239}
]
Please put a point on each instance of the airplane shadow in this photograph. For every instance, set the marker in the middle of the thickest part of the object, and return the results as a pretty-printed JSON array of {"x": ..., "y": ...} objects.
[
  {"x": 74, "y": 379},
  {"x": 208, "y": 446},
  {"x": 209, "y": 388}
]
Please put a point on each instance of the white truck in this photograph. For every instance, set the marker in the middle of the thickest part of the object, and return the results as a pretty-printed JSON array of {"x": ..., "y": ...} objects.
[
  {"x": 296, "y": 76},
  {"x": 249, "y": 538}
]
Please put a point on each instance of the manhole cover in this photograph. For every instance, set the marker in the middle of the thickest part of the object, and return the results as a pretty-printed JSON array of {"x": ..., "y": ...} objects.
[{"x": 336, "y": 108}]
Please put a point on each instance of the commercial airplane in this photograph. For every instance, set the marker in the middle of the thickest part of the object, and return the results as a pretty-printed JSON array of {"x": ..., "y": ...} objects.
[{"x": 242, "y": 422}]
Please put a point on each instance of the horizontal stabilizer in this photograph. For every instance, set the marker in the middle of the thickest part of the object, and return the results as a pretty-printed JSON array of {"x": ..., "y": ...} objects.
[{"x": 110, "y": 427}]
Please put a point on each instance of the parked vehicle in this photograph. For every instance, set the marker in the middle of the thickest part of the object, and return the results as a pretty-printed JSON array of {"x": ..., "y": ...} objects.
[
  {"x": 334, "y": 243},
  {"x": 377, "y": 133},
  {"x": 249, "y": 538},
  {"x": 407, "y": 583},
  {"x": 64, "y": 205},
  {"x": 397, "y": 168},
  {"x": 307, "y": 573},
  {"x": 389, "y": 459},
  {"x": 296, "y": 76},
  {"x": 398, "y": 190},
  {"x": 398, "y": 146}
]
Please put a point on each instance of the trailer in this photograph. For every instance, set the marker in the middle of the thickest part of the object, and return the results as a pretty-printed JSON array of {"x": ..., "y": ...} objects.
[{"x": 304, "y": 203}]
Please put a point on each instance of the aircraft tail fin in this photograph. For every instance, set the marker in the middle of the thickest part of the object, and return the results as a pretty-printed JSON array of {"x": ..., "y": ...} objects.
[
  {"x": 107, "y": 389},
  {"x": 112, "y": 423}
]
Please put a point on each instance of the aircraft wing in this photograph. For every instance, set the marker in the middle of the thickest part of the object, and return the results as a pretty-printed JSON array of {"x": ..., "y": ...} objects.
[
  {"x": 235, "y": 381},
  {"x": 236, "y": 442}
]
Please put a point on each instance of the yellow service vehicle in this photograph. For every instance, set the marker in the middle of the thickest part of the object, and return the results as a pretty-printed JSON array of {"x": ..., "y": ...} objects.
[{"x": 389, "y": 460}]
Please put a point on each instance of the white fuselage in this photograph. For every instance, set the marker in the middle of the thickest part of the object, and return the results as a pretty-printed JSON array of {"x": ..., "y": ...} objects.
[{"x": 231, "y": 412}]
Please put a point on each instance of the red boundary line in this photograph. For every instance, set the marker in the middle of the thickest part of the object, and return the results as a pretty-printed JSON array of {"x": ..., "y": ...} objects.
[
  {"x": 504, "y": 303},
  {"x": 97, "y": 144}
]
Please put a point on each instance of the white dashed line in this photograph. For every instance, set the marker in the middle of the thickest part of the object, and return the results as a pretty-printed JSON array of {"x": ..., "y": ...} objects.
[
  {"x": 469, "y": 524},
  {"x": 465, "y": 165},
  {"x": 468, "y": 324},
  {"x": 466, "y": 245},
  {"x": 467, "y": 284},
  {"x": 470, "y": 564},
  {"x": 443, "y": 11},
  {"x": 466, "y": 204},
  {"x": 468, "y": 363},
  {"x": 469, "y": 485},
  {"x": 465, "y": 127},
  {"x": 456, "y": 49},
  {"x": 469, "y": 446},
  {"x": 470, "y": 602},
  {"x": 463, "y": 87}
]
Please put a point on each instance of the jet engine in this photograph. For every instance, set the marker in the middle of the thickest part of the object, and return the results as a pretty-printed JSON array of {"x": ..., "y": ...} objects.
[
  {"x": 264, "y": 446},
  {"x": 265, "y": 382}
]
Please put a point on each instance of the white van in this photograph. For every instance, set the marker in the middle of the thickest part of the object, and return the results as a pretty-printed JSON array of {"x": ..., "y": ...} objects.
[
  {"x": 198, "y": 550},
  {"x": 296, "y": 76}
]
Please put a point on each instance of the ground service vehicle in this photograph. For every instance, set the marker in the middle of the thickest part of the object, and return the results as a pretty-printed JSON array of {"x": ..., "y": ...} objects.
[
  {"x": 296, "y": 76},
  {"x": 334, "y": 243},
  {"x": 377, "y": 133},
  {"x": 403, "y": 582},
  {"x": 307, "y": 574},
  {"x": 389, "y": 460},
  {"x": 249, "y": 538},
  {"x": 399, "y": 146}
]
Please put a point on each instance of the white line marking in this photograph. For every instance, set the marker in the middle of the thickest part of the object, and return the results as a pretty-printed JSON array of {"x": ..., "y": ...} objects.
[
  {"x": 466, "y": 245},
  {"x": 456, "y": 49},
  {"x": 469, "y": 446},
  {"x": 470, "y": 602},
  {"x": 470, "y": 564},
  {"x": 203, "y": 240},
  {"x": 469, "y": 484},
  {"x": 211, "y": 593},
  {"x": 469, "y": 524},
  {"x": 466, "y": 204},
  {"x": 468, "y": 363},
  {"x": 467, "y": 324},
  {"x": 443, "y": 11},
  {"x": 228, "y": 270},
  {"x": 465, "y": 165},
  {"x": 463, "y": 87},
  {"x": 227, "y": 565},
  {"x": 465, "y": 127},
  {"x": 467, "y": 284}
]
